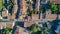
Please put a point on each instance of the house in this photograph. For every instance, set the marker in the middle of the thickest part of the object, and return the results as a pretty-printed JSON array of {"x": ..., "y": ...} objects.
[
  {"x": 6, "y": 24},
  {"x": 55, "y": 1},
  {"x": 27, "y": 24},
  {"x": 20, "y": 17},
  {"x": 37, "y": 6},
  {"x": 23, "y": 6},
  {"x": 15, "y": 7},
  {"x": 4, "y": 13},
  {"x": 58, "y": 16},
  {"x": 51, "y": 16},
  {"x": 35, "y": 17},
  {"x": 20, "y": 30},
  {"x": 13, "y": 16}
]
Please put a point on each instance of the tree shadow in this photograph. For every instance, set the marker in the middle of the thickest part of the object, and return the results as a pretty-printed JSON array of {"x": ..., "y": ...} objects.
[{"x": 54, "y": 25}]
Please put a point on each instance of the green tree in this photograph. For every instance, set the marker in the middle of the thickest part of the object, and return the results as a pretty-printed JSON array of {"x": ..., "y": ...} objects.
[
  {"x": 36, "y": 29},
  {"x": 6, "y": 30},
  {"x": 53, "y": 7},
  {"x": 58, "y": 6},
  {"x": 44, "y": 9},
  {"x": 29, "y": 13},
  {"x": 10, "y": 4},
  {"x": 34, "y": 12},
  {"x": 28, "y": 1}
]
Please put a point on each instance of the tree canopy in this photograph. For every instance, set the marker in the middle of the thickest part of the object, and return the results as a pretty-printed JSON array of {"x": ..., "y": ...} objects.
[
  {"x": 6, "y": 30},
  {"x": 53, "y": 7}
]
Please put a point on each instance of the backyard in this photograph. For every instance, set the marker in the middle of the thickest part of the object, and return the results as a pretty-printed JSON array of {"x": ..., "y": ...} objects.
[{"x": 1, "y": 4}]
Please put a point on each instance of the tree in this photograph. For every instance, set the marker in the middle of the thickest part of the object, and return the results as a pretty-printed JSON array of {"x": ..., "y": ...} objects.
[
  {"x": 29, "y": 12},
  {"x": 10, "y": 4},
  {"x": 58, "y": 6},
  {"x": 34, "y": 12},
  {"x": 54, "y": 8},
  {"x": 58, "y": 11},
  {"x": 36, "y": 29},
  {"x": 28, "y": 1},
  {"x": 44, "y": 9},
  {"x": 7, "y": 30}
]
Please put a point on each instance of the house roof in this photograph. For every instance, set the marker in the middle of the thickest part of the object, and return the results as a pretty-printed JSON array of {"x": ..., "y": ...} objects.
[
  {"x": 35, "y": 17},
  {"x": 56, "y": 1},
  {"x": 15, "y": 8},
  {"x": 4, "y": 24},
  {"x": 51, "y": 16},
  {"x": 13, "y": 16},
  {"x": 4, "y": 14}
]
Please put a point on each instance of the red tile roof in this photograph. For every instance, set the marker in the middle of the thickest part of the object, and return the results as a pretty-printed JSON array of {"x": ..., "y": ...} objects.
[{"x": 51, "y": 16}]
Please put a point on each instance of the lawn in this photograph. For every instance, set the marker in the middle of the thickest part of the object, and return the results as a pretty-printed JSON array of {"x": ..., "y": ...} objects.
[{"x": 1, "y": 4}]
